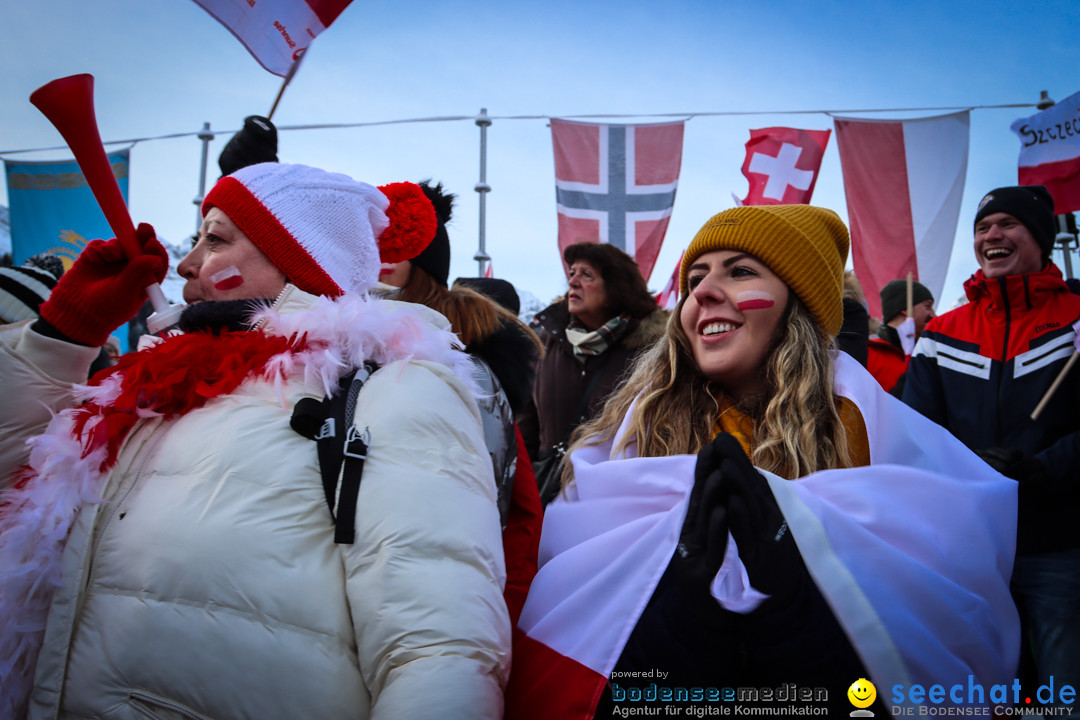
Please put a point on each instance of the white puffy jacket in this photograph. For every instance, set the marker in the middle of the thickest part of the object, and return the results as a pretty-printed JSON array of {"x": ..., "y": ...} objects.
[{"x": 208, "y": 585}]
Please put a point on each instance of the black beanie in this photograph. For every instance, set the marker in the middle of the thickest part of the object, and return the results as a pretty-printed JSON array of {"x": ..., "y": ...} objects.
[
  {"x": 499, "y": 290},
  {"x": 435, "y": 259},
  {"x": 1032, "y": 205},
  {"x": 255, "y": 143},
  {"x": 894, "y": 297}
]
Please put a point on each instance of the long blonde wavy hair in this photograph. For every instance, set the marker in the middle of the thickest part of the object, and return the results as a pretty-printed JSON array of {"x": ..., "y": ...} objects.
[{"x": 797, "y": 427}]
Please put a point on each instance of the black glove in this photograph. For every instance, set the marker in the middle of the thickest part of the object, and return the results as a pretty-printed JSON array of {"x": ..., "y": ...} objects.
[
  {"x": 683, "y": 629},
  {"x": 766, "y": 547},
  {"x": 704, "y": 533},
  {"x": 793, "y": 635},
  {"x": 254, "y": 143},
  {"x": 1001, "y": 459},
  {"x": 1028, "y": 471}
]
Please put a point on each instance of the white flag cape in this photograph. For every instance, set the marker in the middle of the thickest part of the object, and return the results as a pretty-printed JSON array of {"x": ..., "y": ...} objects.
[{"x": 913, "y": 553}]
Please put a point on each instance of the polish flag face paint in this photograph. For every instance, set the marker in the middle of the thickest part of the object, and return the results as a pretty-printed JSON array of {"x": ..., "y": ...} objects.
[
  {"x": 227, "y": 279},
  {"x": 754, "y": 300}
]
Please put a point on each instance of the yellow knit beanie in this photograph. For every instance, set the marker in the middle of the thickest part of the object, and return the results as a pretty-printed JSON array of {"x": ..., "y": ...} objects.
[{"x": 805, "y": 246}]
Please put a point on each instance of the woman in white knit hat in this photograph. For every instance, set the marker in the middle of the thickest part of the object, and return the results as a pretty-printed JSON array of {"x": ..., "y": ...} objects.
[{"x": 169, "y": 550}]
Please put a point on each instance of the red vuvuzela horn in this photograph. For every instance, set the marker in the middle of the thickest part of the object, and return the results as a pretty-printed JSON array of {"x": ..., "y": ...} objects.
[{"x": 68, "y": 103}]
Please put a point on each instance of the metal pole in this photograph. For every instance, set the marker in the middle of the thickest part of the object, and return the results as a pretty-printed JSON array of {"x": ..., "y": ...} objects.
[
  {"x": 206, "y": 136},
  {"x": 1066, "y": 222},
  {"x": 1065, "y": 238},
  {"x": 483, "y": 188}
]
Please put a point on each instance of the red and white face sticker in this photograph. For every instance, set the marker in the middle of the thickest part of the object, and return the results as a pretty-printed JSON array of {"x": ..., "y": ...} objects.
[
  {"x": 754, "y": 300},
  {"x": 227, "y": 279}
]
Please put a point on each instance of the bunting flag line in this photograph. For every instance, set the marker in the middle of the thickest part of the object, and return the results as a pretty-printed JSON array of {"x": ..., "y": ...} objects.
[
  {"x": 275, "y": 32},
  {"x": 616, "y": 184},
  {"x": 1050, "y": 152},
  {"x": 669, "y": 296},
  {"x": 904, "y": 181},
  {"x": 782, "y": 165}
]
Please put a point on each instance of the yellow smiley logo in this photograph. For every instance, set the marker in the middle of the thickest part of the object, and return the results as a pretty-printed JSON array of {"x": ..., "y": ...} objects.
[{"x": 862, "y": 693}]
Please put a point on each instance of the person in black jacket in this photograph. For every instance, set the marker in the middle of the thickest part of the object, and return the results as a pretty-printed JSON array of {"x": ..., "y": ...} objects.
[
  {"x": 504, "y": 352},
  {"x": 981, "y": 370},
  {"x": 855, "y": 330},
  {"x": 745, "y": 306},
  {"x": 591, "y": 337},
  {"x": 887, "y": 353}
]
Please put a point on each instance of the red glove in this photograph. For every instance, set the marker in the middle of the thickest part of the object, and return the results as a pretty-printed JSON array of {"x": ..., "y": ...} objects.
[{"x": 104, "y": 289}]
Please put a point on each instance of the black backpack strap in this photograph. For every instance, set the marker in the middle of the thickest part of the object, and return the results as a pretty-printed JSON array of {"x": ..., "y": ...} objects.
[
  {"x": 354, "y": 451},
  {"x": 342, "y": 449}
]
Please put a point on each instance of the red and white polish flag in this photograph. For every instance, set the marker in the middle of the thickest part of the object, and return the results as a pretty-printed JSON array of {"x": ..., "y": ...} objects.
[
  {"x": 1050, "y": 152},
  {"x": 608, "y": 541},
  {"x": 616, "y": 184},
  {"x": 275, "y": 32},
  {"x": 782, "y": 165},
  {"x": 601, "y": 556},
  {"x": 904, "y": 181}
]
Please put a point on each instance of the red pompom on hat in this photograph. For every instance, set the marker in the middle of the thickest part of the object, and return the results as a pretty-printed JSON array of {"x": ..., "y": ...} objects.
[{"x": 412, "y": 222}]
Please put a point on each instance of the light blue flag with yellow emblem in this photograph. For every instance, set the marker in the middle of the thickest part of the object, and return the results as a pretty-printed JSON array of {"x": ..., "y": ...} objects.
[{"x": 52, "y": 208}]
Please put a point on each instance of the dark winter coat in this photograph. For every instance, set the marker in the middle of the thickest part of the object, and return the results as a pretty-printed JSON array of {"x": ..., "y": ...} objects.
[
  {"x": 980, "y": 370},
  {"x": 561, "y": 379}
]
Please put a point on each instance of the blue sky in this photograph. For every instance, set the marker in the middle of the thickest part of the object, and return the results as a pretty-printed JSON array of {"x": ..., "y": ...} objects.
[{"x": 168, "y": 67}]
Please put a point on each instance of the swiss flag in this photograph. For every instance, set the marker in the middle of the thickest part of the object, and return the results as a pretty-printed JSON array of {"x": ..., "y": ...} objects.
[
  {"x": 1050, "y": 152},
  {"x": 904, "y": 180},
  {"x": 616, "y": 184},
  {"x": 782, "y": 165},
  {"x": 275, "y": 32}
]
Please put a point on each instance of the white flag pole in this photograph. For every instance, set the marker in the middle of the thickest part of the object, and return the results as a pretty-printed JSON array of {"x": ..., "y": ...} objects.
[
  {"x": 288, "y": 78},
  {"x": 1053, "y": 387}
]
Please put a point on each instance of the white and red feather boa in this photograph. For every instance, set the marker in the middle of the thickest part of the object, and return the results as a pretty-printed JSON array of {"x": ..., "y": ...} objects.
[{"x": 69, "y": 463}]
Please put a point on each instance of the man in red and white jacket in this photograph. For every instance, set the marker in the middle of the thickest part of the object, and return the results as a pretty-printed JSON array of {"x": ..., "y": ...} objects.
[
  {"x": 889, "y": 350},
  {"x": 981, "y": 369}
]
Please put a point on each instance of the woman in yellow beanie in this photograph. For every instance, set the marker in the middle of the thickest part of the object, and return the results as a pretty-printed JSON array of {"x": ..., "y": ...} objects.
[
  {"x": 747, "y": 351},
  {"x": 752, "y": 511}
]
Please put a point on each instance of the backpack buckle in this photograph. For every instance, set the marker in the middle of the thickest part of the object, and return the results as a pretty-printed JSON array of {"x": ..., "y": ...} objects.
[
  {"x": 327, "y": 430},
  {"x": 356, "y": 443}
]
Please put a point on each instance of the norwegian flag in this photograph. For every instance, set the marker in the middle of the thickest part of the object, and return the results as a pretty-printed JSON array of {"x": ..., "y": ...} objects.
[
  {"x": 782, "y": 165},
  {"x": 488, "y": 271},
  {"x": 616, "y": 184},
  {"x": 669, "y": 296},
  {"x": 275, "y": 32}
]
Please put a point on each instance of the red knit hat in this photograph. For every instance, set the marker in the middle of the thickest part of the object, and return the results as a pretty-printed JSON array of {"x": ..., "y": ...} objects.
[{"x": 322, "y": 229}]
